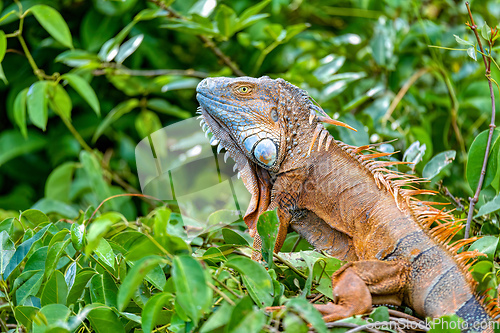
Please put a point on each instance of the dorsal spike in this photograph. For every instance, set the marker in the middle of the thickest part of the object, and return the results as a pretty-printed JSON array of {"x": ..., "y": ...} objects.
[
  {"x": 318, "y": 129},
  {"x": 322, "y": 136}
]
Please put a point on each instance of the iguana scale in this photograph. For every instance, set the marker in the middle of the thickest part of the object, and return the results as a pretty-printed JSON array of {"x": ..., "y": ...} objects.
[{"x": 344, "y": 202}]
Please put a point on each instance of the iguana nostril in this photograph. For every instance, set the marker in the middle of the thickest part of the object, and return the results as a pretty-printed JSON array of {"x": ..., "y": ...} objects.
[{"x": 206, "y": 85}]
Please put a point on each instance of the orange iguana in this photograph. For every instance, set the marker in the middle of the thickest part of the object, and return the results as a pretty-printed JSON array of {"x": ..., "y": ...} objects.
[{"x": 343, "y": 202}]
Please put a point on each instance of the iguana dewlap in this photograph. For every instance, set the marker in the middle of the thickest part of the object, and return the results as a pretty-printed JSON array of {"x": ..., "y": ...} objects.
[{"x": 342, "y": 201}]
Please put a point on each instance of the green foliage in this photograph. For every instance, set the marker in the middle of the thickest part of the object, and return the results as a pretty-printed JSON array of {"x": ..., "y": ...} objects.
[{"x": 83, "y": 82}]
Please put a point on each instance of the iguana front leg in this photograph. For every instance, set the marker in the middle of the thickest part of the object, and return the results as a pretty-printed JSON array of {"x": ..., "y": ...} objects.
[{"x": 358, "y": 285}]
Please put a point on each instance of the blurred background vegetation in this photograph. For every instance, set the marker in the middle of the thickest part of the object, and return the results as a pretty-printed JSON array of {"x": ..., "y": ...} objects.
[{"x": 82, "y": 82}]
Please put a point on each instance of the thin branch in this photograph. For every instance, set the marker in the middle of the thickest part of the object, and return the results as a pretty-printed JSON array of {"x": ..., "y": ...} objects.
[
  {"x": 487, "y": 65},
  {"x": 352, "y": 326},
  {"x": 152, "y": 72},
  {"x": 402, "y": 92},
  {"x": 214, "y": 288},
  {"x": 445, "y": 192},
  {"x": 206, "y": 41}
]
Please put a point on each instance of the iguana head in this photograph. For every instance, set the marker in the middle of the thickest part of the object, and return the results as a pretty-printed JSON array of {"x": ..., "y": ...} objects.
[{"x": 262, "y": 123}]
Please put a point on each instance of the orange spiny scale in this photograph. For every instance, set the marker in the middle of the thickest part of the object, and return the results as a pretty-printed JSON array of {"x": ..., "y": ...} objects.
[
  {"x": 322, "y": 136},
  {"x": 458, "y": 244},
  {"x": 360, "y": 149},
  {"x": 371, "y": 156},
  {"x": 464, "y": 257},
  {"x": 328, "y": 142},
  {"x": 417, "y": 192},
  {"x": 428, "y": 203},
  {"x": 335, "y": 122},
  {"x": 315, "y": 136}
]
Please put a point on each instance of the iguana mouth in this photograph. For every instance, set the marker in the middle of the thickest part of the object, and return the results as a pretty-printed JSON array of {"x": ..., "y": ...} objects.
[{"x": 256, "y": 179}]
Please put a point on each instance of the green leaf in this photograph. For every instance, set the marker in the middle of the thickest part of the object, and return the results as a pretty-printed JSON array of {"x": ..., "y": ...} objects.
[
  {"x": 94, "y": 173},
  {"x": 114, "y": 115},
  {"x": 150, "y": 13},
  {"x": 105, "y": 253},
  {"x": 59, "y": 101},
  {"x": 256, "y": 279},
  {"x": 34, "y": 217},
  {"x": 134, "y": 278},
  {"x": 55, "y": 290},
  {"x": 447, "y": 324},
  {"x": 226, "y": 20},
  {"x": 487, "y": 245},
  {"x": 20, "y": 111},
  {"x": 55, "y": 252},
  {"x": 78, "y": 58},
  {"x": 165, "y": 107},
  {"x": 489, "y": 207},
  {"x": 232, "y": 237},
  {"x": 267, "y": 226},
  {"x": 98, "y": 228},
  {"x": 438, "y": 163},
  {"x": 471, "y": 51},
  {"x": 77, "y": 235},
  {"x": 380, "y": 314},
  {"x": 3, "y": 44},
  {"x": 51, "y": 319},
  {"x": 462, "y": 42},
  {"x": 105, "y": 320},
  {"x": 7, "y": 250},
  {"x": 486, "y": 31},
  {"x": 246, "y": 318},
  {"x": 81, "y": 280},
  {"x": 103, "y": 289},
  {"x": 147, "y": 122},
  {"x": 476, "y": 156},
  {"x": 21, "y": 252},
  {"x": 128, "y": 48},
  {"x": 251, "y": 15},
  {"x": 152, "y": 310},
  {"x": 37, "y": 101},
  {"x": 49, "y": 206},
  {"x": 25, "y": 314},
  {"x": 307, "y": 311},
  {"x": 220, "y": 318},
  {"x": 53, "y": 23},
  {"x": 29, "y": 288},
  {"x": 84, "y": 89},
  {"x": 192, "y": 292},
  {"x": 58, "y": 184},
  {"x": 12, "y": 144}
]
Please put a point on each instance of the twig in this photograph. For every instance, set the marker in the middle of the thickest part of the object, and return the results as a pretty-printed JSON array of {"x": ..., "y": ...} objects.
[
  {"x": 287, "y": 263},
  {"x": 375, "y": 325},
  {"x": 296, "y": 243},
  {"x": 352, "y": 326},
  {"x": 404, "y": 89},
  {"x": 456, "y": 201},
  {"x": 214, "y": 288},
  {"x": 207, "y": 41},
  {"x": 400, "y": 314},
  {"x": 151, "y": 72},
  {"x": 487, "y": 64}
]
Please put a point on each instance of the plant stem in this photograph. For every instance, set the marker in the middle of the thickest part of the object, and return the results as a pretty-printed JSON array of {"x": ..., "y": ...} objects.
[
  {"x": 208, "y": 42},
  {"x": 487, "y": 64}
]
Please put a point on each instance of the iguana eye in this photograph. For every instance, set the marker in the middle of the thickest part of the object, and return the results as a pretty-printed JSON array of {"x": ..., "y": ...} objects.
[{"x": 244, "y": 89}]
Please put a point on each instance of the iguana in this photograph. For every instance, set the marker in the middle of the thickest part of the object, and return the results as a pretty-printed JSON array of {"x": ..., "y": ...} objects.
[{"x": 343, "y": 201}]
